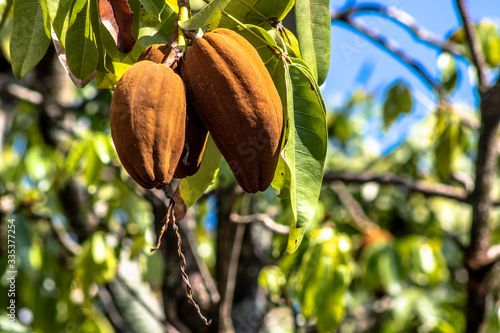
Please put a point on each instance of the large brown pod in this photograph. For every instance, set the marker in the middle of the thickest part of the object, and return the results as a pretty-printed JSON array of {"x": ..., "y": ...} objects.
[
  {"x": 235, "y": 97},
  {"x": 196, "y": 132},
  {"x": 148, "y": 112}
]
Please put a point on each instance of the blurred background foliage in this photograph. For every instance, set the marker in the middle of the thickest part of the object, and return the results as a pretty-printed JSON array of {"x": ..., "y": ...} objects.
[{"x": 376, "y": 258}]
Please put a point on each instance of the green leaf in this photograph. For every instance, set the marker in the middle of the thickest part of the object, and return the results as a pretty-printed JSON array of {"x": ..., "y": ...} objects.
[
  {"x": 305, "y": 149},
  {"x": 75, "y": 156},
  {"x": 449, "y": 73},
  {"x": 98, "y": 248},
  {"x": 59, "y": 13},
  {"x": 152, "y": 31},
  {"x": 313, "y": 31},
  {"x": 81, "y": 46},
  {"x": 294, "y": 239},
  {"x": 205, "y": 16},
  {"x": 323, "y": 277},
  {"x": 489, "y": 39},
  {"x": 191, "y": 188},
  {"x": 447, "y": 145},
  {"x": 398, "y": 100},
  {"x": 254, "y": 12},
  {"x": 272, "y": 279},
  {"x": 30, "y": 37},
  {"x": 154, "y": 7}
]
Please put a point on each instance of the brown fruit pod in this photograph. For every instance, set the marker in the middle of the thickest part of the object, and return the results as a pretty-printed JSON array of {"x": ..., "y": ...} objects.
[
  {"x": 157, "y": 53},
  {"x": 148, "y": 112},
  {"x": 196, "y": 132},
  {"x": 194, "y": 145},
  {"x": 235, "y": 97}
]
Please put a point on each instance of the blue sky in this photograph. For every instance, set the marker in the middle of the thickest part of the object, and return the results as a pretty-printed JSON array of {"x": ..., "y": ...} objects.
[{"x": 352, "y": 55}]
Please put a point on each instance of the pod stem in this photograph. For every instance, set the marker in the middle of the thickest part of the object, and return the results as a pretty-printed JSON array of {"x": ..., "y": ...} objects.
[{"x": 184, "y": 14}]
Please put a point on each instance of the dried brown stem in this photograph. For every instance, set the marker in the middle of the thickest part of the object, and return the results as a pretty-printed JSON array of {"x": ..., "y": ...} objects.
[
  {"x": 185, "y": 277},
  {"x": 164, "y": 223}
]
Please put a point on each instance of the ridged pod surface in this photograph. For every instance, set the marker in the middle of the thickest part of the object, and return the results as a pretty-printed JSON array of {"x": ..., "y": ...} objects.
[
  {"x": 196, "y": 132},
  {"x": 235, "y": 97},
  {"x": 148, "y": 112}
]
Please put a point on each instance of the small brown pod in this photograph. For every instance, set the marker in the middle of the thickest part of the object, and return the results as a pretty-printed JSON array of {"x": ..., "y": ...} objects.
[
  {"x": 157, "y": 53},
  {"x": 148, "y": 112},
  {"x": 235, "y": 97}
]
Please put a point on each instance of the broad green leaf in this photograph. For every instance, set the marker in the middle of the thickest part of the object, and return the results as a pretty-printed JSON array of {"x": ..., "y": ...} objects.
[
  {"x": 81, "y": 46},
  {"x": 75, "y": 156},
  {"x": 313, "y": 31},
  {"x": 272, "y": 279},
  {"x": 135, "y": 7},
  {"x": 98, "y": 248},
  {"x": 205, "y": 16},
  {"x": 38, "y": 164},
  {"x": 398, "y": 100},
  {"x": 165, "y": 28},
  {"x": 448, "y": 68},
  {"x": 305, "y": 149},
  {"x": 96, "y": 23},
  {"x": 254, "y": 12},
  {"x": 447, "y": 144},
  {"x": 294, "y": 239},
  {"x": 154, "y": 7},
  {"x": 191, "y": 188},
  {"x": 59, "y": 14},
  {"x": 323, "y": 277},
  {"x": 30, "y": 37},
  {"x": 282, "y": 175},
  {"x": 489, "y": 39}
]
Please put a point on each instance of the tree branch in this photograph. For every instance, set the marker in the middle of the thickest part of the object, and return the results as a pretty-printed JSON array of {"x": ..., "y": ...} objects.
[
  {"x": 426, "y": 188},
  {"x": 407, "y": 22},
  {"x": 475, "y": 47},
  {"x": 392, "y": 48},
  {"x": 361, "y": 221},
  {"x": 265, "y": 219}
]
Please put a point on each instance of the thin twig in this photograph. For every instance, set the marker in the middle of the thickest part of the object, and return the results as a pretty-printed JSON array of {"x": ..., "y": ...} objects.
[
  {"x": 391, "y": 47},
  {"x": 408, "y": 22},
  {"x": 265, "y": 219},
  {"x": 475, "y": 47},
  {"x": 65, "y": 239},
  {"x": 361, "y": 221}
]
